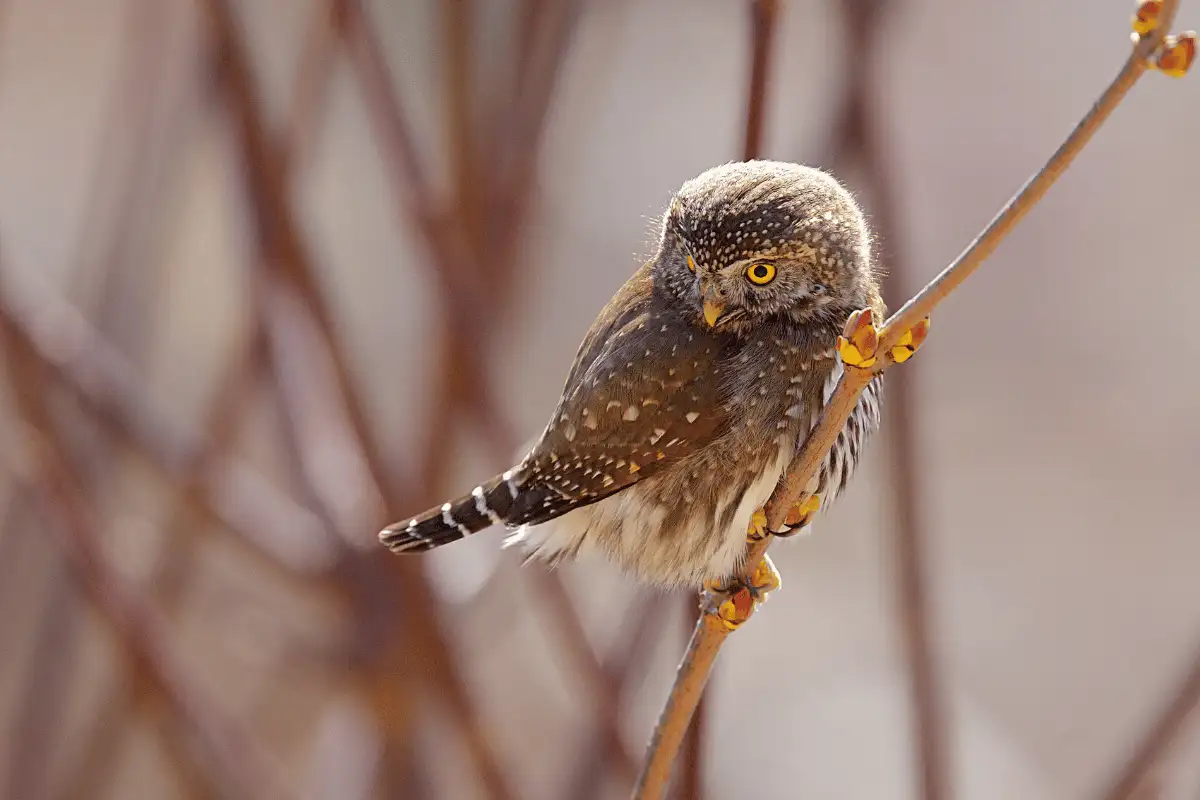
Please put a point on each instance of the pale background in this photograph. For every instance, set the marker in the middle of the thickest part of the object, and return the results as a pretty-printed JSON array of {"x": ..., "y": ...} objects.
[{"x": 1057, "y": 425}]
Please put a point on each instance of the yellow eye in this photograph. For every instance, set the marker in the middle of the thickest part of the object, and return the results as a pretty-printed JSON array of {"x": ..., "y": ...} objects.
[
  {"x": 691, "y": 264},
  {"x": 761, "y": 274}
]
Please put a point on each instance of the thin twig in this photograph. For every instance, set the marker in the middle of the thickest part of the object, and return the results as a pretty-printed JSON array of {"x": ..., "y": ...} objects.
[{"x": 710, "y": 633}]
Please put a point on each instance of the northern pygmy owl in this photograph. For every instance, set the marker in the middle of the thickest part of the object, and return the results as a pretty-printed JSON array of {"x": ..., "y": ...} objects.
[{"x": 694, "y": 387}]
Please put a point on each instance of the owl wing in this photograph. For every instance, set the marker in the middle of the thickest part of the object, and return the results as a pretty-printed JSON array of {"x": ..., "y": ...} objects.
[{"x": 641, "y": 395}]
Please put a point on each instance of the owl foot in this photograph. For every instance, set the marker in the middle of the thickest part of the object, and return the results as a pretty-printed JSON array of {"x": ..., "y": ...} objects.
[
  {"x": 733, "y": 601},
  {"x": 860, "y": 340},
  {"x": 800, "y": 516},
  {"x": 757, "y": 530}
]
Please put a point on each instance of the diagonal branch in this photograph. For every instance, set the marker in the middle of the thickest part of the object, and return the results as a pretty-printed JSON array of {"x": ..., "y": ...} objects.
[{"x": 711, "y": 632}]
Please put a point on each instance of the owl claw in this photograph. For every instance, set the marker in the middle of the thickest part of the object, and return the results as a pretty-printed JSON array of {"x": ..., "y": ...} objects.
[
  {"x": 732, "y": 602},
  {"x": 800, "y": 516},
  {"x": 757, "y": 530}
]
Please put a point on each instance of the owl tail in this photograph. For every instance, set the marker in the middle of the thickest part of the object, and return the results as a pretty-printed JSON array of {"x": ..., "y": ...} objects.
[{"x": 486, "y": 505}]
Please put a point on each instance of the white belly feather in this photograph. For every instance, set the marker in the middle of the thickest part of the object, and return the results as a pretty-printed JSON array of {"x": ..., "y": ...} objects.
[{"x": 671, "y": 558}]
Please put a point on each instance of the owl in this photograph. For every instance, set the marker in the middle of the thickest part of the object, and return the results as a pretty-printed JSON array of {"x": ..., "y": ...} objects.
[{"x": 693, "y": 388}]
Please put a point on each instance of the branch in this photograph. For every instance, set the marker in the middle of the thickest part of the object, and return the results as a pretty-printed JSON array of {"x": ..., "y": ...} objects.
[{"x": 710, "y": 632}]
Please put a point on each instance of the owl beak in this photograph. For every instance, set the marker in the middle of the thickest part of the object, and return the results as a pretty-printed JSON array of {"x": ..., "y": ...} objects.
[{"x": 712, "y": 312}]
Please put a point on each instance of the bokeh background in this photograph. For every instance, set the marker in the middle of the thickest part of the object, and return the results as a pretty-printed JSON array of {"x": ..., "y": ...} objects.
[{"x": 275, "y": 272}]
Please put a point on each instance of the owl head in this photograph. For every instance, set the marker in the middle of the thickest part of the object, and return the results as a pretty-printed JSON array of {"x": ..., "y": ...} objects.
[{"x": 752, "y": 241}]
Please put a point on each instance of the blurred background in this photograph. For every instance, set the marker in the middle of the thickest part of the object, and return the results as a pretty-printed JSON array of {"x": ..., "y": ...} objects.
[{"x": 276, "y": 272}]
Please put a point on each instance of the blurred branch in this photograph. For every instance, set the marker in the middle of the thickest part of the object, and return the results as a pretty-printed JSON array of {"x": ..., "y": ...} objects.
[
  {"x": 44, "y": 470},
  {"x": 625, "y": 669},
  {"x": 1156, "y": 745},
  {"x": 711, "y": 632},
  {"x": 42, "y": 696},
  {"x": 597, "y": 682},
  {"x": 269, "y": 525},
  {"x": 764, "y": 21},
  {"x": 311, "y": 86}
]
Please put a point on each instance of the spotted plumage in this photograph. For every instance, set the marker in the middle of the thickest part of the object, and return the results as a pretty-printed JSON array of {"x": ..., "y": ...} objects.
[{"x": 694, "y": 387}]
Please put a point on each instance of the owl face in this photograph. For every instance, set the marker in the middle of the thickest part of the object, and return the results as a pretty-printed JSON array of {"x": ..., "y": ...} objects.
[{"x": 748, "y": 242}]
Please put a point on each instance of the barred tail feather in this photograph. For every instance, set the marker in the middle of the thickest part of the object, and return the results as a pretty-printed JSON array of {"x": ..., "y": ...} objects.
[{"x": 488, "y": 504}]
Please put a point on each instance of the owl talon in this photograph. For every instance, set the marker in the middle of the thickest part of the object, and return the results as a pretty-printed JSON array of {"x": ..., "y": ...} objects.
[
  {"x": 800, "y": 516},
  {"x": 910, "y": 342},
  {"x": 757, "y": 530},
  {"x": 734, "y": 601}
]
